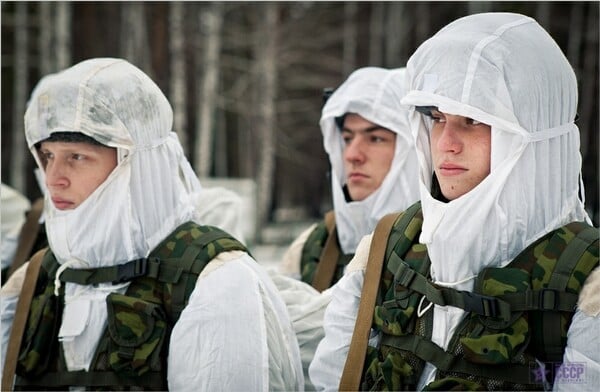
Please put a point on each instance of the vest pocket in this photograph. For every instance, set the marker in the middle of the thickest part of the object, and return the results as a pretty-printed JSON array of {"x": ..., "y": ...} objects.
[
  {"x": 137, "y": 331},
  {"x": 490, "y": 341}
]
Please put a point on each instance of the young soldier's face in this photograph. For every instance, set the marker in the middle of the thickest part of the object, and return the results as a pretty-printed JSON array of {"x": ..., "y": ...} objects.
[
  {"x": 74, "y": 170},
  {"x": 368, "y": 155},
  {"x": 460, "y": 153}
]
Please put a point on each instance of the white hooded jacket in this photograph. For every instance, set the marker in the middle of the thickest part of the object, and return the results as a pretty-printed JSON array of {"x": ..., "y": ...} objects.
[
  {"x": 503, "y": 70},
  {"x": 235, "y": 332}
]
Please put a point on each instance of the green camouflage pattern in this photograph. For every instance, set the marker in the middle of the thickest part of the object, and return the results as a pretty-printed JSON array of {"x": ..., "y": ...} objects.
[
  {"x": 478, "y": 340},
  {"x": 44, "y": 310},
  {"x": 395, "y": 314},
  {"x": 135, "y": 342},
  {"x": 313, "y": 251}
]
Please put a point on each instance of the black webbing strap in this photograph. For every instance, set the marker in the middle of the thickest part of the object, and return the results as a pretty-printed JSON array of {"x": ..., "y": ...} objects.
[
  {"x": 168, "y": 271},
  {"x": 446, "y": 296},
  {"x": 91, "y": 379},
  {"x": 115, "y": 274},
  {"x": 447, "y": 362},
  {"x": 543, "y": 299}
]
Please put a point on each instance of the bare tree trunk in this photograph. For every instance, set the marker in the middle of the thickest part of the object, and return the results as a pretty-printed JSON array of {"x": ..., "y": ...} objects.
[
  {"x": 266, "y": 57},
  {"x": 135, "y": 36},
  {"x": 542, "y": 13},
  {"x": 349, "y": 54},
  {"x": 476, "y": 7},
  {"x": 423, "y": 26},
  {"x": 18, "y": 168},
  {"x": 63, "y": 34},
  {"x": 211, "y": 21},
  {"x": 575, "y": 35},
  {"x": 376, "y": 33},
  {"x": 396, "y": 31},
  {"x": 45, "y": 41},
  {"x": 177, "y": 78}
]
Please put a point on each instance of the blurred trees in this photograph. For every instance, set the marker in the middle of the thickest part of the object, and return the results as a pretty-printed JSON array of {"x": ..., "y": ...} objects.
[{"x": 245, "y": 78}]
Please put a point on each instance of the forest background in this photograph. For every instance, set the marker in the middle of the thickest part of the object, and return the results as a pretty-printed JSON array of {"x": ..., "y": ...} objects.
[{"x": 245, "y": 79}]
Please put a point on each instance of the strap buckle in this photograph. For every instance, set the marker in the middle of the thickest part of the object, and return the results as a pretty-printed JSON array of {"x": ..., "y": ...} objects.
[
  {"x": 482, "y": 304},
  {"x": 548, "y": 299},
  {"x": 131, "y": 270},
  {"x": 404, "y": 275}
]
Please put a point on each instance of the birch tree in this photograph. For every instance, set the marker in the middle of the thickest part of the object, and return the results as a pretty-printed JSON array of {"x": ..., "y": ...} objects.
[
  {"x": 18, "y": 168},
  {"x": 266, "y": 90},
  {"x": 575, "y": 36},
  {"x": 177, "y": 78},
  {"x": 135, "y": 36},
  {"x": 63, "y": 34},
  {"x": 396, "y": 32},
  {"x": 210, "y": 21},
  {"x": 45, "y": 38}
]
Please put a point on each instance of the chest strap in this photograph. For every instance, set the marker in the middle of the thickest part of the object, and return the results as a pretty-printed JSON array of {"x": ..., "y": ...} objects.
[
  {"x": 91, "y": 379},
  {"x": 164, "y": 270},
  {"x": 498, "y": 307}
]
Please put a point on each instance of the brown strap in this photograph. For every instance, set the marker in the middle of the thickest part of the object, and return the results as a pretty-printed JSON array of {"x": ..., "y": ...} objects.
[
  {"x": 329, "y": 256},
  {"x": 18, "y": 326},
  {"x": 355, "y": 361},
  {"x": 27, "y": 235}
]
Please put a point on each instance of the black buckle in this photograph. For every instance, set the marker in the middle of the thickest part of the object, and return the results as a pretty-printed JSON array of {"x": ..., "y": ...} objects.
[
  {"x": 131, "y": 270},
  {"x": 481, "y": 304}
]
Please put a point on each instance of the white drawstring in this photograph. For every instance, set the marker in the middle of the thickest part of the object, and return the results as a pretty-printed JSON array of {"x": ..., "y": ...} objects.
[
  {"x": 422, "y": 312},
  {"x": 458, "y": 282},
  {"x": 57, "y": 282}
]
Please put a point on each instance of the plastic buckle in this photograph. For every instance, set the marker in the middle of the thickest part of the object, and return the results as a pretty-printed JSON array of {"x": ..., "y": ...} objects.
[
  {"x": 482, "y": 304},
  {"x": 131, "y": 270},
  {"x": 404, "y": 275}
]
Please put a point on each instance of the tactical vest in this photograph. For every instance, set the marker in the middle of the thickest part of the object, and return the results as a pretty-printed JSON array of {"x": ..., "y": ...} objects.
[
  {"x": 515, "y": 314},
  {"x": 132, "y": 352},
  {"x": 313, "y": 251}
]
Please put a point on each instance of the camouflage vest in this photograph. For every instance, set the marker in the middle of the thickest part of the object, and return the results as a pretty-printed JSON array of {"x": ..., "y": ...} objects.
[
  {"x": 313, "y": 251},
  {"x": 515, "y": 314},
  {"x": 132, "y": 353}
]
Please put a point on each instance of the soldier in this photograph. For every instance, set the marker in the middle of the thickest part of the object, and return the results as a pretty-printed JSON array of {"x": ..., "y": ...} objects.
[
  {"x": 373, "y": 172},
  {"x": 134, "y": 292},
  {"x": 482, "y": 284}
]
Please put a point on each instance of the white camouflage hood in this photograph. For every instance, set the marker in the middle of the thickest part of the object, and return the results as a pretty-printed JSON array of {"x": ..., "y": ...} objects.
[
  {"x": 147, "y": 195},
  {"x": 374, "y": 94},
  {"x": 503, "y": 70}
]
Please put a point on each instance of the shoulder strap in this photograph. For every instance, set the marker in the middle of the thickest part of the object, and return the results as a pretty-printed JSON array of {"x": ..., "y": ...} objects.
[
  {"x": 18, "y": 326},
  {"x": 565, "y": 267},
  {"x": 328, "y": 260},
  {"x": 352, "y": 374},
  {"x": 27, "y": 235}
]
